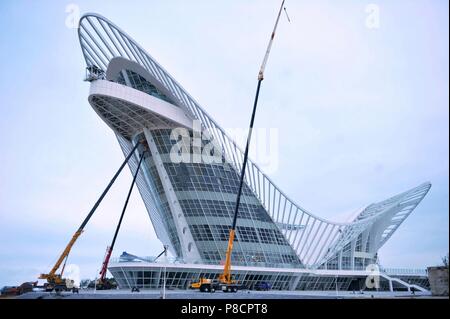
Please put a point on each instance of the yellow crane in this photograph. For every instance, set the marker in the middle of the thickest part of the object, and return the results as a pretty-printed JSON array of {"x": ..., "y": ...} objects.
[
  {"x": 55, "y": 281},
  {"x": 225, "y": 280}
]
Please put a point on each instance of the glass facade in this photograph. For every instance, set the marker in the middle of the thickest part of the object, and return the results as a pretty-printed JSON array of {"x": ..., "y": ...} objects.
[
  {"x": 153, "y": 278},
  {"x": 348, "y": 259},
  {"x": 138, "y": 82},
  {"x": 159, "y": 197},
  {"x": 181, "y": 279},
  {"x": 207, "y": 194}
]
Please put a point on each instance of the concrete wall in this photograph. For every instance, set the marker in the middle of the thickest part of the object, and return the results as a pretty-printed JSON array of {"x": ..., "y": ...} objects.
[{"x": 438, "y": 277}]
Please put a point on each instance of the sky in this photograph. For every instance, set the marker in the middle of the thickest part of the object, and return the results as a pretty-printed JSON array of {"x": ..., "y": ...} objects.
[{"x": 360, "y": 105}]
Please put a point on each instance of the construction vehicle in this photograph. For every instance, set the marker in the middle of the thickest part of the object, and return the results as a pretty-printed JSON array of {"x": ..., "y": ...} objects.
[
  {"x": 18, "y": 290},
  {"x": 10, "y": 291},
  {"x": 204, "y": 285},
  {"x": 225, "y": 281},
  {"x": 55, "y": 280},
  {"x": 105, "y": 284}
]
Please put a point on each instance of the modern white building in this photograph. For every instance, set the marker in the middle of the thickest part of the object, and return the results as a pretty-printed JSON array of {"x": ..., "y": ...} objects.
[{"x": 191, "y": 204}]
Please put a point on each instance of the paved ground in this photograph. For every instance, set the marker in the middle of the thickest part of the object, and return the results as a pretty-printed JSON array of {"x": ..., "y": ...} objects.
[{"x": 181, "y": 294}]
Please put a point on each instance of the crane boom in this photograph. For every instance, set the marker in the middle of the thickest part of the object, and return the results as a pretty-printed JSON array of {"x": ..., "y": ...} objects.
[
  {"x": 61, "y": 258},
  {"x": 52, "y": 276},
  {"x": 225, "y": 277},
  {"x": 110, "y": 248}
]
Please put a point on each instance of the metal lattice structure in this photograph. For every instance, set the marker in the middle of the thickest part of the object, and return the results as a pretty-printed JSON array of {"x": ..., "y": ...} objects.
[{"x": 318, "y": 243}]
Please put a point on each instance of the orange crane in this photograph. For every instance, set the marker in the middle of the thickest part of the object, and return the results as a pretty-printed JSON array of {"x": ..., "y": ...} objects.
[
  {"x": 55, "y": 281},
  {"x": 225, "y": 281}
]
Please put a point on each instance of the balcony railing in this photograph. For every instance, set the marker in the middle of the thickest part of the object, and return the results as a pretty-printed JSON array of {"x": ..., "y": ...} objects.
[{"x": 404, "y": 271}]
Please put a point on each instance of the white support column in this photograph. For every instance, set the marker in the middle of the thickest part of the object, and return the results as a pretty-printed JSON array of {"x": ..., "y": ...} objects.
[
  {"x": 352, "y": 252},
  {"x": 391, "y": 287},
  {"x": 188, "y": 247}
]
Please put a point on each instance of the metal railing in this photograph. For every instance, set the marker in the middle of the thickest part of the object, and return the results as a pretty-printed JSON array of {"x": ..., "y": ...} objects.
[{"x": 404, "y": 271}]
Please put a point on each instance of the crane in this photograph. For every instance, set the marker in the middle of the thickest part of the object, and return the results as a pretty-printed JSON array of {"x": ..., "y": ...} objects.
[
  {"x": 102, "y": 283},
  {"x": 225, "y": 280},
  {"x": 55, "y": 281}
]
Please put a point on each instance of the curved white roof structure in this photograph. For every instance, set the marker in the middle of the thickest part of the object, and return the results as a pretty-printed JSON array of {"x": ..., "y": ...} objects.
[{"x": 318, "y": 243}]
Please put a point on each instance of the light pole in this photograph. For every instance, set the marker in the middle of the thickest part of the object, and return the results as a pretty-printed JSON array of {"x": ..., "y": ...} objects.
[
  {"x": 164, "y": 274},
  {"x": 337, "y": 290}
]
